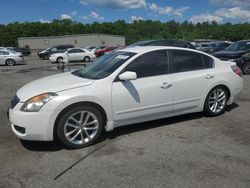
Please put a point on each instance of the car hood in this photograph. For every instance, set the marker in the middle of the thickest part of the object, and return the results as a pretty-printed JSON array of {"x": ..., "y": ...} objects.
[
  {"x": 55, "y": 83},
  {"x": 229, "y": 54}
]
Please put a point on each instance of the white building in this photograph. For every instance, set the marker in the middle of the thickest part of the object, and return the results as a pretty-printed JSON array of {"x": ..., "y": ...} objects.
[{"x": 80, "y": 40}]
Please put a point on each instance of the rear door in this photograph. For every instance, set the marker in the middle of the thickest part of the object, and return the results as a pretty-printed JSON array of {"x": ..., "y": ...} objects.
[
  {"x": 79, "y": 55},
  {"x": 193, "y": 73}
]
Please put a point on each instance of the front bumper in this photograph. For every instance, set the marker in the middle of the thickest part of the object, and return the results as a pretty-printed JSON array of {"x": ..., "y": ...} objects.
[
  {"x": 34, "y": 124},
  {"x": 52, "y": 59}
]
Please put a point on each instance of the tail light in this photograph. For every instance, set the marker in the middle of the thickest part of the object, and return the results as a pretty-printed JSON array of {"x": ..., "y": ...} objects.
[{"x": 237, "y": 70}]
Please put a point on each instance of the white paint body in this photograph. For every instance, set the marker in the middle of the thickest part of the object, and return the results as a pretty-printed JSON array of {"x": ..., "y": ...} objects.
[
  {"x": 124, "y": 102},
  {"x": 7, "y": 54},
  {"x": 67, "y": 57}
]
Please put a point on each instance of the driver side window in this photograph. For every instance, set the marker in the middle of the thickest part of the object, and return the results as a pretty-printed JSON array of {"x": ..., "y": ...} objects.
[{"x": 150, "y": 64}]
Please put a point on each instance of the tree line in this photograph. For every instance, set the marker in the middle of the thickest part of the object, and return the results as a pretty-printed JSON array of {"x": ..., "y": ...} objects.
[{"x": 136, "y": 31}]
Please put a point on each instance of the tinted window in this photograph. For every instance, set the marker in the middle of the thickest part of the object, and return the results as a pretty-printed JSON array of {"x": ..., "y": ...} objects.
[
  {"x": 72, "y": 51},
  {"x": 180, "y": 44},
  {"x": 79, "y": 51},
  {"x": 208, "y": 62},
  {"x": 186, "y": 61},
  {"x": 1, "y": 53},
  {"x": 150, "y": 64}
]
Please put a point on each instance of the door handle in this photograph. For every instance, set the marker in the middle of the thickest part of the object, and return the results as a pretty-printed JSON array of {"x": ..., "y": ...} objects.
[
  {"x": 209, "y": 76},
  {"x": 165, "y": 85}
]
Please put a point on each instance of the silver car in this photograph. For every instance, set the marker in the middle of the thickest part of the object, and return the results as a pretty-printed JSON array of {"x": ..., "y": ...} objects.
[{"x": 10, "y": 58}]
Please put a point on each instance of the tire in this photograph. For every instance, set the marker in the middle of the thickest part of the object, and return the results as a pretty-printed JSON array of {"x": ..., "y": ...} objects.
[
  {"x": 216, "y": 101},
  {"x": 80, "y": 127},
  {"x": 10, "y": 62},
  {"x": 246, "y": 68},
  {"x": 59, "y": 60},
  {"x": 86, "y": 59}
]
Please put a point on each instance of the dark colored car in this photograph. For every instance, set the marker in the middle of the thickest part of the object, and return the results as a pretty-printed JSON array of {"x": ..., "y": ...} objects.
[
  {"x": 163, "y": 42},
  {"x": 212, "y": 47},
  {"x": 220, "y": 46},
  {"x": 101, "y": 52},
  {"x": 24, "y": 51},
  {"x": 234, "y": 53},
  {"x": 54, "y": 49}
]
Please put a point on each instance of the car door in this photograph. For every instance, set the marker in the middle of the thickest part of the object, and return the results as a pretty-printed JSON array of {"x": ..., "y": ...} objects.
[
  {"x": 148, "y": 97},
  {"x": 192, "y": 74},
  {"x": 79, "y": 54},
  {"x": 72, "y": 55}
]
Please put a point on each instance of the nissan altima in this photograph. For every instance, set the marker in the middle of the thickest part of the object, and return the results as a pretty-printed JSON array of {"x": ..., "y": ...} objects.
[{"x": 124, "y": 87}]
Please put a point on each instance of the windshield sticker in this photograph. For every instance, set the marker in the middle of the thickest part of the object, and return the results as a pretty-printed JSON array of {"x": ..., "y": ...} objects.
[{"x": 122, "y": 57}]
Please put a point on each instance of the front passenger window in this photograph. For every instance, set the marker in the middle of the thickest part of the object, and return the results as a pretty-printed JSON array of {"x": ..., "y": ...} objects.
[{"x": 150, "y": 64}]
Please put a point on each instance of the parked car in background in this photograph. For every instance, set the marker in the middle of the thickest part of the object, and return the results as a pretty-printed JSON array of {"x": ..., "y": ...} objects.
[
  {"x": 24, "y": 51},
  {"x": 54, "y": 49},
  {"x": 234, "y": 53},
  {"x": 219, "y": 46},
  {"x": 72, "y": 54},
  {"x": 10, "y": 58},
  {"x": 212, "y": 47},
  {"x": 163, "y": 42},
  {"x": 124, "y": 87},
  {"x": 101, "y": 52},
  {"x": 244, "y": 63},
  {"x": 208, "y": 48},
  {"x": 9, "y": 50}
]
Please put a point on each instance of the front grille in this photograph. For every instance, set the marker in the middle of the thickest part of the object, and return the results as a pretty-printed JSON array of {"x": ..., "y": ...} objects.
[{"x": 14, "y": 101}]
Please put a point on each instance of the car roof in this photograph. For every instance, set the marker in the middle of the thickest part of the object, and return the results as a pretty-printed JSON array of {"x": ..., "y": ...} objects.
[
  {"x": 246, "y": 40},
  {"x": 143, "y": 49}
]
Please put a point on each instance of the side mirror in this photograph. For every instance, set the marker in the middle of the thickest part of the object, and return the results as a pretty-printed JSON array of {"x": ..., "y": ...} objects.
[{"x": 128, "y": 75}]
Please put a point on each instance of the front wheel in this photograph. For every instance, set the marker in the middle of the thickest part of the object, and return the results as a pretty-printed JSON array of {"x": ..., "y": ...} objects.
[
  {"x": 246, "y": 68},
  {"x": 59, "y": 60},
  {"x": 216, "y": 101},
  {"x": 80, "y": 127}
]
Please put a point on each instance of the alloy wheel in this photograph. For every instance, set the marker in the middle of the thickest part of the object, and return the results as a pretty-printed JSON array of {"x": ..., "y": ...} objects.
[
  {"x": 10, "y": 62},
  {"x": 217, "y": 100},
  {"x": 81, "y": 127}
]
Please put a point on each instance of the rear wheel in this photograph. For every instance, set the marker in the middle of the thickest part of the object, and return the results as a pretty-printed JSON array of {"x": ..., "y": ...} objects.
[
  {"x": 10, "y": 62},
  {"x": 246, "y": 68},
  {"x": 80, "y": 127},
  {"x": 86, "y": 59},
  {"x": 216, "y": 101}
]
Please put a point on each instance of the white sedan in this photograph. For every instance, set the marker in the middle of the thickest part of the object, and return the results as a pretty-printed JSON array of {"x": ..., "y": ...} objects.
[
  {"x": 72, "y": 54},
  {"x": 10, "y": 58},
  {"x": 124, "y": 87}
]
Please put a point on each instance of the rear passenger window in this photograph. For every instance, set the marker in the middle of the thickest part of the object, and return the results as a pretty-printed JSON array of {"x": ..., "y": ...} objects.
[
  {"x": 150, "y": 64},
  {"x": 189, "y": 61}
]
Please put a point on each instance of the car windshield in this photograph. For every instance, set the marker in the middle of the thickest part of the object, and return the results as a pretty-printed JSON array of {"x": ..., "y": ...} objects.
[
  {"x": 104, "y": 66},
  {"x": 239, "y": 46}
]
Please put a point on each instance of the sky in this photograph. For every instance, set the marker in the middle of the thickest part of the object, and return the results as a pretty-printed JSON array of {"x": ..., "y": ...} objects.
[{"x": 88, "y": 11}]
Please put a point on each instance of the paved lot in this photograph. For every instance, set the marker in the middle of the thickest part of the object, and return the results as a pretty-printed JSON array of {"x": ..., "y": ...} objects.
[{"x": 184, "y": 151}]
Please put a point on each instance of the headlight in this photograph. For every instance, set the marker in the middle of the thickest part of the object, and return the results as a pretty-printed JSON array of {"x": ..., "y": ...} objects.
[{"x": 34, "y": 104}]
